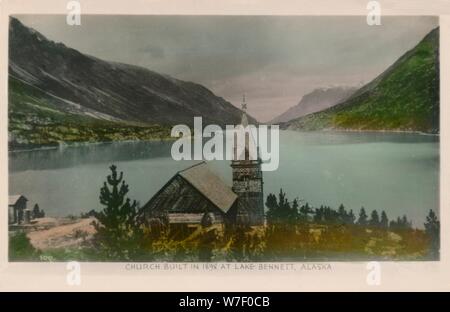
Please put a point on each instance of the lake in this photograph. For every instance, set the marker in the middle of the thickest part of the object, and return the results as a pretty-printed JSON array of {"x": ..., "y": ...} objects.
[{"x": 395, "y": 172}]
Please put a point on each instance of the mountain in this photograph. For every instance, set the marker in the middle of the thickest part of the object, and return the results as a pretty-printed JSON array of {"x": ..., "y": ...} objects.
[
  {"x": 404, "y": 97},
  {"x": 52, "y": 86},
  {"x": 315, "y": 101}
]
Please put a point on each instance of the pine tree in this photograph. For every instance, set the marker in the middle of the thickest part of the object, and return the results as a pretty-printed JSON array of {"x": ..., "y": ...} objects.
[
  {"x": 272, "y": 207},
  {"x": 432, "y": 228},
  {"x": 384, "y": 222},
  {"x": 351, "y": 217},
  {"x": 399, "y": 223},
  {"x": 318, "y": 215},
  {"x": 294, "y": 213},
  {"x": 342, "y": 214},
  {"x": 281, "y": 212},
  {"x": 405, "y": 223},
  {"x": 282, "y": 220},
  {"x": 374, "y": 219},
  {"x": 119, "y": 233},
  {"x": 284, "y": 207},
  {"x": 362, "y": 220},
  {"x": 395, "y": 224},
  {"x": 304, "y": 212},
  {"x": 37, "y": 212},
  {"x": 330, "y": 216}
]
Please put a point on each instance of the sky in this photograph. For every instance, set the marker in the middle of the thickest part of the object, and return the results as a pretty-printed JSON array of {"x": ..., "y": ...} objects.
[{"x": 274, "y": 60}]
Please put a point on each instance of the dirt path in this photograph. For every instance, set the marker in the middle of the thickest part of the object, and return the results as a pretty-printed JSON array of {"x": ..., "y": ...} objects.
[{"x": 63, "y": 235}]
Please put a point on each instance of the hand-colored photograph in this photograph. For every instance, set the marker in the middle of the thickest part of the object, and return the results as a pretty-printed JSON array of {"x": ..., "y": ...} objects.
[{"x": 223, "y": 138}]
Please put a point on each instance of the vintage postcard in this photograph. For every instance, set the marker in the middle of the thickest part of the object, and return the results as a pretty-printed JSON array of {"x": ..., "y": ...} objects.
[{"x": 276, "y": 142}]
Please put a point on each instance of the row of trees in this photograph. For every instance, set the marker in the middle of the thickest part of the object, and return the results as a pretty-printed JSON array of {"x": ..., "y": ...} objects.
[
  {"x": 121, "y": 234},
  {"x": 280, "y": 210},
  {"x": 284, "y": 217}
]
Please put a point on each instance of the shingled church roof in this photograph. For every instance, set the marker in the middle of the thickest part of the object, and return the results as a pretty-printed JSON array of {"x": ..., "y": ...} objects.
[{"x": 209, "y": 185}]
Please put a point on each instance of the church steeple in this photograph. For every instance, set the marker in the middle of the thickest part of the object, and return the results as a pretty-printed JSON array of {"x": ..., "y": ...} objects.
[
  {"x": 244, "y": 120},
  {"x": 248, "y": 148},
  {"x": 247, "y": 178}
]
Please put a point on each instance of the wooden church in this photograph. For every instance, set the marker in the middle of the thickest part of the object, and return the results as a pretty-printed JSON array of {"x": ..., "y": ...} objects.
[{"x": 196, "y": 193}]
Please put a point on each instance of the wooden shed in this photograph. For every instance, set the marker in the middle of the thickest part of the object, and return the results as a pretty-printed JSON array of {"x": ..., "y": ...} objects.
[{"x": 17, "y": 204}]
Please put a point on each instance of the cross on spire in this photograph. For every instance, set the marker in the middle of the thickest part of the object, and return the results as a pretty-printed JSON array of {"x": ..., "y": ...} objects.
[{"x": 244, "y": 104}]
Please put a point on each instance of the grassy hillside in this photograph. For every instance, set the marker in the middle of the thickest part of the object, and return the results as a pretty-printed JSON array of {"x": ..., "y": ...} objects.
[
  {"x": 59, "y": 95},
  {"x": 404, "y": 97},
  {"x": 35, "y": 119}
]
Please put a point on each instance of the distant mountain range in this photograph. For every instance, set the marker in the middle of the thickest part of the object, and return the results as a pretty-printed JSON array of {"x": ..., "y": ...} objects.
[
  {"x": 405, "y": 97},
  {"x": 315, "y": 101},
  {"x": 59, "y": 94}
]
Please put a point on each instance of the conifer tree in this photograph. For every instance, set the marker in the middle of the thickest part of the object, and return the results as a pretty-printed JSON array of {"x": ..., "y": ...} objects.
[
  {"x": 282, "y": 220},
  {"x": 284, "y": 208},
  {"x": 304, "y": 212},
  {"x": 37, "y": 212},
  {"x": 294, "y": 216},
  {"x": 272, "y": 206},
  {"x": 384, "y": 222},
  {"x": 374, "y": 219},
  {"x": 318, "y": 215},
  {"x": 406, "y": 224},
  {"x": 362, "y": 220},
  {"x": 351, "y": 217},
  {"x": 342, "y": 214},
  {"x": 398, "y": 224},
  {"x": 281, "y": 212},
  {"x": 432, "y": 228},
  {"x": 119, "y": 233},
  {"x": 295, "y": 206}
]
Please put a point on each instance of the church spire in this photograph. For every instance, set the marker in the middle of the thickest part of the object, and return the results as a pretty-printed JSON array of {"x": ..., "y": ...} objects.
[
  {"x": 244, "y": 104},
  {"x": 247, "y": 175},
  {"x": 244, "y": 120}
]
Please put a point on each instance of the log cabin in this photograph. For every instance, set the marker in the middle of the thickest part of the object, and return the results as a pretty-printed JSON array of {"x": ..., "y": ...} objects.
[{"x": 17, "y": 204}]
